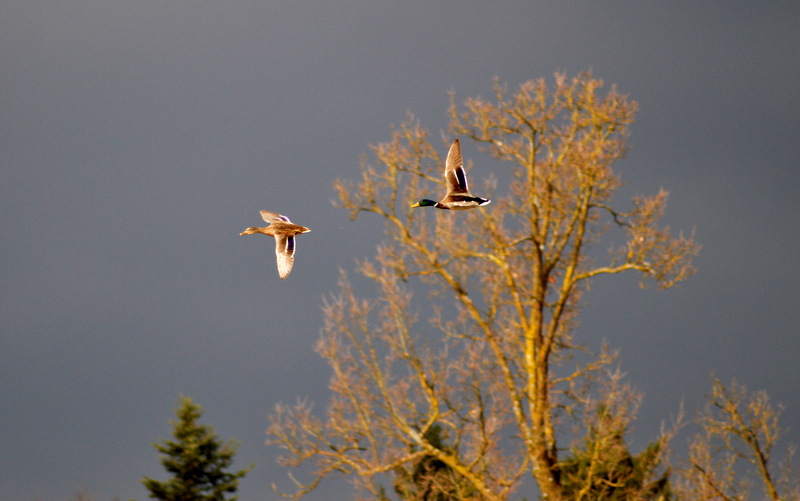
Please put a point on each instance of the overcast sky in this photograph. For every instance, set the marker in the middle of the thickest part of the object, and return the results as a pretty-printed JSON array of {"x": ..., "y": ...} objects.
[{"x": 138, "y": 138}]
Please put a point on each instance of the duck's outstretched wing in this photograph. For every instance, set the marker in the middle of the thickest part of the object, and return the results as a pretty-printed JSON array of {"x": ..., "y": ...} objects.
[
  {"x": 454, "y": 174},
  {"x": 273, "y": 217},
  {"x": 284, "y": 250}
]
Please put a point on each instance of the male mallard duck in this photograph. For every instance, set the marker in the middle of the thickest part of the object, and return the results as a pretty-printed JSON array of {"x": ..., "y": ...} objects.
[
  {"x": 458, "y": 196},
  {"x": 284, "y": 231}
]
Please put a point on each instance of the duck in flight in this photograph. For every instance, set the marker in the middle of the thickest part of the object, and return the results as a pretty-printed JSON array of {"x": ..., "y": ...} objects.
[
  {"x": 458, "y": 196},
  {"x": 284, "y": 232}
]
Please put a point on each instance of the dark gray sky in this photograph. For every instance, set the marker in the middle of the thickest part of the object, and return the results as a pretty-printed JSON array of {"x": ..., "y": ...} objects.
[{"x": 137, "y": 139}]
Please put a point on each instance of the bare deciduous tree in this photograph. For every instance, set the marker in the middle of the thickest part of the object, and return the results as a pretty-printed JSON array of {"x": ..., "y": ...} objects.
[
  {"x": 734, "y": 449},
  {"x": 496, "y": 368}
]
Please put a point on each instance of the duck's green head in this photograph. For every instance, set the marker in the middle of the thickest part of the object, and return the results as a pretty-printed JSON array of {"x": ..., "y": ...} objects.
[{"x": 425, "y": 203}]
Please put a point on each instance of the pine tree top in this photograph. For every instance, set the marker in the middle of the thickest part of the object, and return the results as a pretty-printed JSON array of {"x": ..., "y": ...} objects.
[{"x": 197, "y": 459}]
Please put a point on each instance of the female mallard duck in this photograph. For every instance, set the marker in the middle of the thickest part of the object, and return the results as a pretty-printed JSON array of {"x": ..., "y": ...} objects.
[
  {"x": 284, "y": 231},
  {"x": 458, "y": 196}
]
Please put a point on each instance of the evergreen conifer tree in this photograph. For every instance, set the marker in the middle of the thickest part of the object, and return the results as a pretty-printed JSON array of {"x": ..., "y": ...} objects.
[{"x": 197, "y": 460}]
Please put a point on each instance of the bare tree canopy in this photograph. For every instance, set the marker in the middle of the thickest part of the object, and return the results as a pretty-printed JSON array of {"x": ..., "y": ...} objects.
[{"x": 475, "y": 387}]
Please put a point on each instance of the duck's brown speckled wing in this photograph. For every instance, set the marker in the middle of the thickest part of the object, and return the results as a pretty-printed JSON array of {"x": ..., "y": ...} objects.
[
  {"x": 454, "y": 174},
  {"x": 272, "y": 217}
]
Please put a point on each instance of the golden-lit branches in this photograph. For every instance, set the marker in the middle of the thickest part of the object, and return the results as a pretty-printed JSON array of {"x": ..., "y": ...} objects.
[
  {"x": 472, "y": 391},
  {"x": 734, "y": 449}
]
